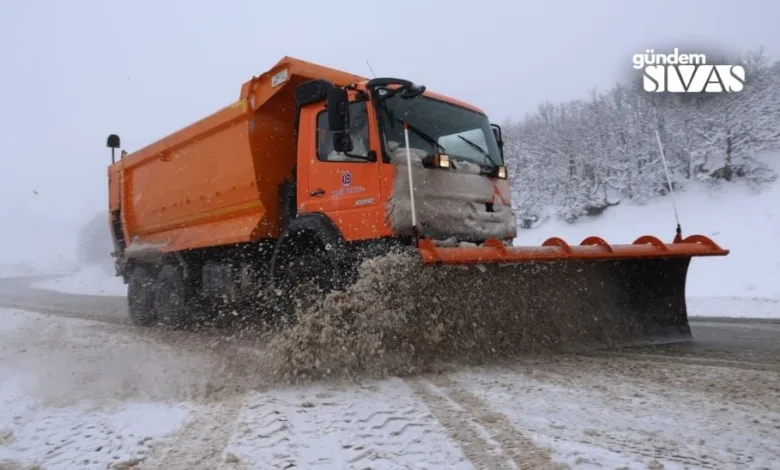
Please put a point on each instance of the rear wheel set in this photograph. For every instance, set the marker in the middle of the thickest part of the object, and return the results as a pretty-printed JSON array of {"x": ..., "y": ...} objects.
[
  {"x": 160, "y": 297},
  {"x": 140, "y": 296},
  {"x": 174, "y": 299}
]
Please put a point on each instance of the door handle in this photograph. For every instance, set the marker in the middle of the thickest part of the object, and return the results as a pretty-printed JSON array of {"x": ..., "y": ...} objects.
[{"x": 317, "y": 192}]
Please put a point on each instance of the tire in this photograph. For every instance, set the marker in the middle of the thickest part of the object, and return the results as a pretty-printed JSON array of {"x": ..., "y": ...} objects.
[
  {"x": 140, "y": 296},
  {"x": 172, "y": 298},
  {"x": 311, "y": 268}
]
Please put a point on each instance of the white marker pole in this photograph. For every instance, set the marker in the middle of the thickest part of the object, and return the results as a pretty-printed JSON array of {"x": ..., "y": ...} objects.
[
  {"x": 411, "y": 182},
  {"x": 669, "y": 181}
]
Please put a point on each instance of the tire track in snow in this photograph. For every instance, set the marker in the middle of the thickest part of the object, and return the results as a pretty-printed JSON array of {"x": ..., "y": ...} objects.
[
  {"x": 378, "y": 425},
  {"x": 401, "y": 428},
  {"x": 482, "y": 451},
  {"x": 630, "y": 398},
  {"x": 487, "y": 437},
  {"x": 201, "y": 442},
  {"x": 264, "y": 431}
]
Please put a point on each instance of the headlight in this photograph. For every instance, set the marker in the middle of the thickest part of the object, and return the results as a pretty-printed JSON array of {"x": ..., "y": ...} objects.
[
  {"x": 439, "y": 160},
  {"x": 502, "y": 172}
]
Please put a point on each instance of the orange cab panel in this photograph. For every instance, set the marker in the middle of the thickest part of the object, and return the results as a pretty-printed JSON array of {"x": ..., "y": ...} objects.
[{"x": 345, "y": 187}]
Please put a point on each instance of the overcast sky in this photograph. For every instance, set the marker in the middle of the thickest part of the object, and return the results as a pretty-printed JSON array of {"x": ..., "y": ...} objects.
[{"x": 73, "y": 72}]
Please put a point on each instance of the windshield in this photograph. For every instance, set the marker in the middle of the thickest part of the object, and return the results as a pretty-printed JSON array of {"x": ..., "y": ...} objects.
[{"x": 461, "y": 133}]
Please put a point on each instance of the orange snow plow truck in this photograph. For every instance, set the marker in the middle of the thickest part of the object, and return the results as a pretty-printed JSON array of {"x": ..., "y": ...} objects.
[{"x": 313, "y": 170}]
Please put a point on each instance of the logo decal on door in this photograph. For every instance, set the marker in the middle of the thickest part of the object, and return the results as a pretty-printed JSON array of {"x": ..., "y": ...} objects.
[{"x": 346, "y": 186}]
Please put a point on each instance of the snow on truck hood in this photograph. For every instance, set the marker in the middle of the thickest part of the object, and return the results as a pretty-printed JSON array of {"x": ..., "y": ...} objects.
[{"x": 449, "y": 203}]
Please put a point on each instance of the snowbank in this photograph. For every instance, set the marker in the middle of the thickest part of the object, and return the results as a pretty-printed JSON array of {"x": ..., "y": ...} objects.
[
  {"x": 97, "y": 279},
  {"x": 737, "y": 217}
]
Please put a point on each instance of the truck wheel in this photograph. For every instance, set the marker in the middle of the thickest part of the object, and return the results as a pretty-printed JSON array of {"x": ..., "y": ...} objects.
[
  {"x": 301, "y": 273},
  {"x": 171, "y": 299},
  {"x": 140, "y": 296}
]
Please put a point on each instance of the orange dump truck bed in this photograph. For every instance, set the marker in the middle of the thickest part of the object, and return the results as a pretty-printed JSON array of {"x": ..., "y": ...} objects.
[{"x": 216, "y": 181}]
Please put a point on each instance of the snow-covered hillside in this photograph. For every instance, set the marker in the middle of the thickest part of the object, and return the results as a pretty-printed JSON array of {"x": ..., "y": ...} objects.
[{"x": 737, "y": 217}]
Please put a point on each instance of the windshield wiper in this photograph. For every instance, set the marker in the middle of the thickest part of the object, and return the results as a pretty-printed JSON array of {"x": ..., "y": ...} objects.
[
  {"x": 414, "y": 129},
  {"x": 424, "y": 136},
  {"x": 480, "y": 150}
]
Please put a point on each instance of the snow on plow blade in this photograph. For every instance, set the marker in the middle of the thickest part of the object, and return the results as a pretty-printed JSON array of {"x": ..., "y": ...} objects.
[{"x": 592, "y": 292}]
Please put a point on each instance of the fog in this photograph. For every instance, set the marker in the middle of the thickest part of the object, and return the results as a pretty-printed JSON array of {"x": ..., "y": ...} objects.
[{"x": 73, "y": 72}]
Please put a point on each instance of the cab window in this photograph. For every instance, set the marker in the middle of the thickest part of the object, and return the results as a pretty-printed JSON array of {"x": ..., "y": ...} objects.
[{"x": 358, "y": 132}]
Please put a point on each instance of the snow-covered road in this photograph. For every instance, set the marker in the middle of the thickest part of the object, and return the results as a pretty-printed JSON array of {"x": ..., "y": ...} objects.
[{"x": 80, "y": 393}]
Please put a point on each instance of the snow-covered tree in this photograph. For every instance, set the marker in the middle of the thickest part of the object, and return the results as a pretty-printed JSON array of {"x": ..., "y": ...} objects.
[{"x": 579, "y": 158}]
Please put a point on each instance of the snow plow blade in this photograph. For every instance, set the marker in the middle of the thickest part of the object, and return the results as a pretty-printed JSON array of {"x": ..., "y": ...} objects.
[{"x": 593, "y": 292}]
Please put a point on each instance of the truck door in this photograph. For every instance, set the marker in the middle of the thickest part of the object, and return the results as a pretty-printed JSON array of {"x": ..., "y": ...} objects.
[{"x": 346, "y": 186}]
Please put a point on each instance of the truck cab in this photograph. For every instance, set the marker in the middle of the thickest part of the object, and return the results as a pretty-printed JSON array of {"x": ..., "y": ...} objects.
[{"x": 354, "y": 167}]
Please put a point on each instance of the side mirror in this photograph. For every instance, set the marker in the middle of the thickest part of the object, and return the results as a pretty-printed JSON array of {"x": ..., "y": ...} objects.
[
  {"x": 113, "y": 141},
  {"x": 497, "y": 134},
  {"x": 342, "y": 142},
  {"x": 338, "y": 109}
]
